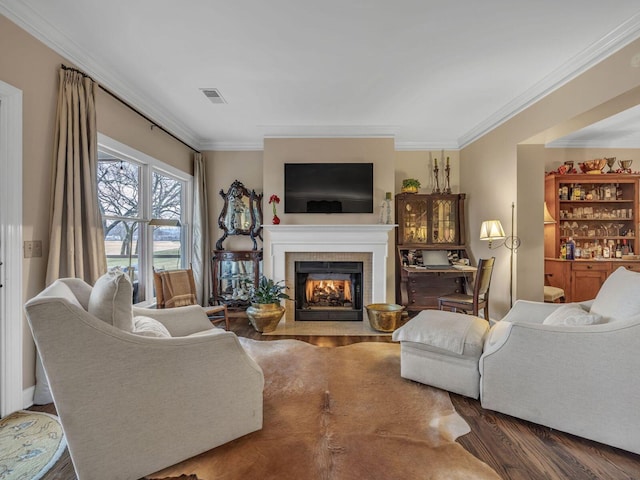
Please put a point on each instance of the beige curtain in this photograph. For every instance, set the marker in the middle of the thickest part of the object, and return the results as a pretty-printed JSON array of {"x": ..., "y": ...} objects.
[
  {"x": 76, "y": 237},
  {"x": 201, "y": 242}
]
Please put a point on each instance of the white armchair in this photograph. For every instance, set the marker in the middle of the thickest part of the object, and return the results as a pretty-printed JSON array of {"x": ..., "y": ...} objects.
[
  {"x": 580, "y": 379},
  {"x": 131, "y": 404}
]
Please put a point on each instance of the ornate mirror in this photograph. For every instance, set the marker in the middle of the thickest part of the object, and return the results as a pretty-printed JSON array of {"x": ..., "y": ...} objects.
[{"x": 241, "y": 214}]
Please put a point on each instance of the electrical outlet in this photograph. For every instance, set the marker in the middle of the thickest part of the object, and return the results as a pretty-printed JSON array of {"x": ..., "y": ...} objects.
[{"x": 33, "y": 249}]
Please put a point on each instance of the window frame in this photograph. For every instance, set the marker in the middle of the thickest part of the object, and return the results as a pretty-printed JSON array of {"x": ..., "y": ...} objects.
[{"x": 149, "y": 165}]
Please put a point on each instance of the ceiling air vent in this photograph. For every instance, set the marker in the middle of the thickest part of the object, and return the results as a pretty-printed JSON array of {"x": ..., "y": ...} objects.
[{"x": 213, "y": 95}]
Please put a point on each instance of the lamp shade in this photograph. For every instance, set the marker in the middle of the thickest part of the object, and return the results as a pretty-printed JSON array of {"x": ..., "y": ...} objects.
[
  {"x": 548, "y": 219},
  {"x": 491, "y": 230}
]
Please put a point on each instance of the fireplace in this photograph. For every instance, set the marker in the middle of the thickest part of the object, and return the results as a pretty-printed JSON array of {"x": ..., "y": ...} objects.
[
  {"x": 329, "y": 291},
  {"x": 286, "y": 244}
]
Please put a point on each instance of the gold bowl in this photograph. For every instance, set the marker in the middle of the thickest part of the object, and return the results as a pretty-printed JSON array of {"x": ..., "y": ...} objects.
[
  {"x": 386, "y": 317},
  {"x": 593, "y": 165}
]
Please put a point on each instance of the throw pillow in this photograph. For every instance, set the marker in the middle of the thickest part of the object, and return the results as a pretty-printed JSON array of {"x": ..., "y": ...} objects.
[
  {"x": 149, "y": 327},
  {"x": 618, "y": 297},
  {"x": 111, "y": 300},
  {"x": 573, "y": 314},
  {"x": 454, "y": 332}
]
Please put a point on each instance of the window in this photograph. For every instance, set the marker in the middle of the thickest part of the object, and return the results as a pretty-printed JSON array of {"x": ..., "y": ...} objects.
[{"x": 144, "y": 205}]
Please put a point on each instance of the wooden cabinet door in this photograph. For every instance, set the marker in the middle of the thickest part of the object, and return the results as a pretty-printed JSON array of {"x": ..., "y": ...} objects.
[
  {"x": 633, "y": 266},
  {"x": 586, "y": 280}
]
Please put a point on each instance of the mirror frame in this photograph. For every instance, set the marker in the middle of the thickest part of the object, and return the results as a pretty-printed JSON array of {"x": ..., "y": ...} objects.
[{"x": 253, "y": 203}]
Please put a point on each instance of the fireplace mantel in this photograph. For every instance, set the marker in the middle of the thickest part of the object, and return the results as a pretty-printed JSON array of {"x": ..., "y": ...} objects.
[{"x": 357, "y": 238}]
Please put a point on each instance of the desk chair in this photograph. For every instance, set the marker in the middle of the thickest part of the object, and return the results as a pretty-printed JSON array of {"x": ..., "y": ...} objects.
[
  {"x": 177, "y": 288},
  {"x": 480, "y": 297}
]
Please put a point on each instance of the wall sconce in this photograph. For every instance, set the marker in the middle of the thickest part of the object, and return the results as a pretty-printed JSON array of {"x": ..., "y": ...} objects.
[
  {"x": 491, "y": 230},
  {"x": 548, "y": 219}
]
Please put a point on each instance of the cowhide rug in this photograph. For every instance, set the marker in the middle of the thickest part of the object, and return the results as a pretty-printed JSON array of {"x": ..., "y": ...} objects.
[{"x": 341, "y": 413}]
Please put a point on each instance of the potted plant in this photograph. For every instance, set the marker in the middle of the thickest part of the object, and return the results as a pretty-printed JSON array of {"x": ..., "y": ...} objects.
[
  {"x": 410, "y": 185},
  {"x": 265, "y": 310}
]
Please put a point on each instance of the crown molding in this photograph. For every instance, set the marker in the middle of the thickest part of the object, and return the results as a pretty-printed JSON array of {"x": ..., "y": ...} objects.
[
  {"x": 615, "y": 40},
  {"x": 628, "y": 142},
  {"x": 329, "y": 131},
  {"x": 419, "y": 146},
  {"x": 232, "y": 146},
  {"x": 399, "y": 146},
  {"x": 29, "y": 20}
]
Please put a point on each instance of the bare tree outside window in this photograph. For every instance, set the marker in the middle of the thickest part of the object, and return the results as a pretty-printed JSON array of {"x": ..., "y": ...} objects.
[
  {"x": 123, "y": 213},
  {"x": 118, "y": 196},
  {"x": 166, "y": 203}
]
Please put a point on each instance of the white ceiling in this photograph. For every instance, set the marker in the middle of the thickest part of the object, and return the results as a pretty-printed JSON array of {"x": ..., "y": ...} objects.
[
  {"x": 433, "y": 74},
  {"x": 619, "y": 131}
]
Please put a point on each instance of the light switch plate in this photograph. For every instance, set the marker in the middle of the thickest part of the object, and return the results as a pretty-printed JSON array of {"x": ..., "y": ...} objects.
[{"x": 33, "y": 249}]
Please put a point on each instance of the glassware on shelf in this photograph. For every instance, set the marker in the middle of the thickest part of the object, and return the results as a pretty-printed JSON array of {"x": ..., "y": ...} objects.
[
  {"x": 584, "y": 229},
  {"x": 574, "y": 227}
]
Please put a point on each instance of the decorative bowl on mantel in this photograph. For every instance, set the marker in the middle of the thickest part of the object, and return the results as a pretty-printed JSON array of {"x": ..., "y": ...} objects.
[{"x": 593, "y": 166}]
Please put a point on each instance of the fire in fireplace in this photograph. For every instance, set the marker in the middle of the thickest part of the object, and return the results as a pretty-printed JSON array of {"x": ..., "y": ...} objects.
[{"x": 328, "y": 291}]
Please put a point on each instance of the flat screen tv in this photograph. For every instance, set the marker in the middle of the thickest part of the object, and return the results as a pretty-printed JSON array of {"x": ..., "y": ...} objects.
[{"x": 328, "y": 188}]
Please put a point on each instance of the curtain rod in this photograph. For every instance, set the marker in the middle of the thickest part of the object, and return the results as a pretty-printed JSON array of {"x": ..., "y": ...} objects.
[{"x": 131, "y": 107}]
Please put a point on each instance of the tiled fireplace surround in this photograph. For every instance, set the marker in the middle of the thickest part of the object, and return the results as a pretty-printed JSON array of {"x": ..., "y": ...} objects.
[{"x": 286, "y": 244}]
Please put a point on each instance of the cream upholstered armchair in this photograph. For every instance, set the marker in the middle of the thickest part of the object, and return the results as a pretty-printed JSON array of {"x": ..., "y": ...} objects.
[
  {"x": 138, "y": 390},
  {"x": 572, "y": 367}
]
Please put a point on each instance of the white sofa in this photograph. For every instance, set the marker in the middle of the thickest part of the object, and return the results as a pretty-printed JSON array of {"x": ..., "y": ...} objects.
[
  {"x": 580, "y": 379},
  {"x": 136, "y": 395}
]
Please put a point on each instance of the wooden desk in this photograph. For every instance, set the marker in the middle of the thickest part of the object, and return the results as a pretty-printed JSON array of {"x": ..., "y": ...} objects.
[{"x": 420, "y": 287}]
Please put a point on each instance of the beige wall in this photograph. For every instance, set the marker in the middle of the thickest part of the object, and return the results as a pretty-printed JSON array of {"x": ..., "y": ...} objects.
[
  {"x": 420, "y": 164},
  {"x": 223, "y": 168},
  {"x": 490, "y": 166},
  {"x": 379, "y": 151},
  {"x": 30, "y": 66}
]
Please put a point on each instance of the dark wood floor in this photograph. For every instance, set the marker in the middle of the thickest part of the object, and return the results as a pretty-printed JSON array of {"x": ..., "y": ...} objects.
[{"x": 515, "y": 449}]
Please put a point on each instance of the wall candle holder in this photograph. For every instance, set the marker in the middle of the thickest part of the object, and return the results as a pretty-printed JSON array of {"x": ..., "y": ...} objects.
[
  {"x": 436, "y": 188},
  {"x": 447, "y": 184}
]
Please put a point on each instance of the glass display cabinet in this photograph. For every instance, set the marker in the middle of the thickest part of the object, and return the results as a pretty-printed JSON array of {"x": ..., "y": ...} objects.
[
  {"x": 429, "y": 222},
  {"x": 233, "y": 274}
]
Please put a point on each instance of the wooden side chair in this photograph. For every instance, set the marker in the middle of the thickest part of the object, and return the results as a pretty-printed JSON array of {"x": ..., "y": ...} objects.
[
  {"x": 480, "y": 297},
  {"x": 552, "y": 294},
  {"x": 177, "y": 288}
]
